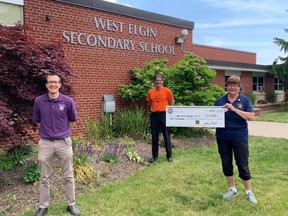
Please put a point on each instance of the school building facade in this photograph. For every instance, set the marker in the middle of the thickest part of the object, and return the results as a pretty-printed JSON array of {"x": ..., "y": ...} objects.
[{"x": 105, "y": 40}]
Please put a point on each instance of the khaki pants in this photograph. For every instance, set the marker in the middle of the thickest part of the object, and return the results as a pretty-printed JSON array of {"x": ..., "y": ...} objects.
[{"x": 63, "y": 150}]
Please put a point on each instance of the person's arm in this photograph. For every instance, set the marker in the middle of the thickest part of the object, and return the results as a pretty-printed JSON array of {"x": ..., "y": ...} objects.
[
  {"x": 72, "y": 124},
  {"x": 249, "y": 116},
  {"x": 171, "y": 103}
]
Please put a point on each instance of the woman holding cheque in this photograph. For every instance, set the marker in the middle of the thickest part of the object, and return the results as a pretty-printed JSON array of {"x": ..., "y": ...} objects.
[{"x": 233, "y": 139}]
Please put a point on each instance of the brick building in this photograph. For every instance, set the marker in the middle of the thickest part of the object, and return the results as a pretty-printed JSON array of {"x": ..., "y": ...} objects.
[{"x": 105, "y": 40}]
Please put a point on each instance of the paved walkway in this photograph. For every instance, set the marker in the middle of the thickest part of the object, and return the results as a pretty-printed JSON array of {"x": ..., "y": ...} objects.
[{"x": 268, "y": 129}]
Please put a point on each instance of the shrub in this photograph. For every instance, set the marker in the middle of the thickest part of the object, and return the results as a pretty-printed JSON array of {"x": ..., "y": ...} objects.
[
  {"x": 191, "y": 77},
  {"x": 251, "y": 96},
  {"x": 286, "y": 97},
  {"x": 142, "y": 80},
  {"x": 189, "y": 132},
  {"x": 31, "y": 174},
  {"x": 83, "y": 171},
  {"x": 6, "y": 163},
  {"x": 84, "y": 174},
  {"x": 132, "y": 122},
  {"x": 24, "y": 64},
  {"x": 92, "y": 129},
  {"x": 81, "y": 153},
  {"x": 99, "y": 131},
  {"x": 283, "y": 108},
  {"x": 272, "y": 96},
  {"x": 128, "y": 142},
  {"x": 187, "y": 77},
  {"x": 19, "y": 153}
]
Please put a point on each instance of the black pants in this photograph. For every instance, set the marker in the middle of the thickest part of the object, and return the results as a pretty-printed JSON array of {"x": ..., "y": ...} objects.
[
  {"x": 226, "y": 148},
  {"x": 158, "y": 121}
]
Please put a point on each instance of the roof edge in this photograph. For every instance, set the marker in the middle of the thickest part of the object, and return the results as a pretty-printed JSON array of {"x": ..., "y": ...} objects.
[
  {"x": 238, "y": 66},
  {"x": 132, "y": 12}
]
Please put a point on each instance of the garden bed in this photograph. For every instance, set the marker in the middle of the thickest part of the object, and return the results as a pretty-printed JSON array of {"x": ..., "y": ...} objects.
[{"x": 16, "y": 197}]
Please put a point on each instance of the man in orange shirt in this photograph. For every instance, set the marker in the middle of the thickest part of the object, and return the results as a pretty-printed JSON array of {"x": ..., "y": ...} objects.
[{"x": 159, "y": 97}]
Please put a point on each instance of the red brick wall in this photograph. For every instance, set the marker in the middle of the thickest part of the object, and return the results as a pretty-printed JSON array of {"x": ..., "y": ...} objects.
[
  {"x": 101, "y": 70},
  {"x": 220, "y": 78},
  {"x": 246, "y": 79},
  {"x": 221, "y": 54},
  {"x": 269, "y": 85}
]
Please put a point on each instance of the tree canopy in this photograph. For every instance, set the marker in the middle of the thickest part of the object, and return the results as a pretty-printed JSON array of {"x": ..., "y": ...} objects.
[
  {"x": 24, "y": 66},
  {"x": 281, "y": 70}
]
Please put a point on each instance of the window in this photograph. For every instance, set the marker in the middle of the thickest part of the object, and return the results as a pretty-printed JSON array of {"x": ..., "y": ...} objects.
[
  {"x": 278, "y": 84},
  {"x": 258, "y": 84},
  {"x": 11, "y": 12}
]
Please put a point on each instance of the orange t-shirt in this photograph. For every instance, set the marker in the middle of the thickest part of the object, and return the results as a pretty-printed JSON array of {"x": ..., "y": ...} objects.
[{"x": 159, "y": 99}]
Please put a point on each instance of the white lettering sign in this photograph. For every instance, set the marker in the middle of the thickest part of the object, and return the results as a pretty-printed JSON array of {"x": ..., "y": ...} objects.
[{"x": 94, "y": 40}]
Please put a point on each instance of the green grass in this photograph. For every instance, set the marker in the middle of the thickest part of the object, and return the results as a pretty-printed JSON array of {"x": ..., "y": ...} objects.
[
  {"x": 193, "y": 185},
  {"x": 280, "y": 116}
]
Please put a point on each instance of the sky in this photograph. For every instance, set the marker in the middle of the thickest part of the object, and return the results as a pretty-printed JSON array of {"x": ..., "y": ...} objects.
[{"x": 245, "y": 25}]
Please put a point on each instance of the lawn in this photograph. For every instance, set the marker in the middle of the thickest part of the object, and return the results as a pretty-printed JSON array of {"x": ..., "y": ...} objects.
[
  {"x": 280, "y": 116},
  {"x": 193, "y": 185}
]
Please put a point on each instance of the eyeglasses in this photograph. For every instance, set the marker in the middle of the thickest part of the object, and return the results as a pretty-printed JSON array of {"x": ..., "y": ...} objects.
[
  {"x": 53, "y": 82},
  {"x": 233, "y": 85}
]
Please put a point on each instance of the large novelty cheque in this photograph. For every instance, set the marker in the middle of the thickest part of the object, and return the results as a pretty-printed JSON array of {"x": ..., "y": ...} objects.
[{"x": 195, "y": 116}]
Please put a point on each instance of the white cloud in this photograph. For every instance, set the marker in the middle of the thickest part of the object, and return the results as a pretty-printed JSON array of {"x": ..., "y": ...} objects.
[
  {"x": 235, "y": 23},
  {"x": 259, "y": 7}
]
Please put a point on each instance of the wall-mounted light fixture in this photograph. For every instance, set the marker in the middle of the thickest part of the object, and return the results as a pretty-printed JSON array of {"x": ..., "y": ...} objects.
[{"x": 181, "y": 40}]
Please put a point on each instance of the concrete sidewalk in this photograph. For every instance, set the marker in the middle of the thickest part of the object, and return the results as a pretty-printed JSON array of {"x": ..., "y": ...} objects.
[{"x": 268, "y": 129}]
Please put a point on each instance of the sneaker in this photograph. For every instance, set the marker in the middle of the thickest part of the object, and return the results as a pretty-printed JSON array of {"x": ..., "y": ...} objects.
[
  {"x": 230, "y": 194},
  {"x": 250, "y": 197}
]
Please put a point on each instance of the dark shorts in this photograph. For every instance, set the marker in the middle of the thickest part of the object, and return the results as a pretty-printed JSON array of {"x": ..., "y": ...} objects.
[{"x": 228, "y": 148}]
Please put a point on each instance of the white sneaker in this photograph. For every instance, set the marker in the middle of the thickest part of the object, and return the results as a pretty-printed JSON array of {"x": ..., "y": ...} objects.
[
  {"x": 230, "y": 194},
  {"x": 251, "y": 197}
]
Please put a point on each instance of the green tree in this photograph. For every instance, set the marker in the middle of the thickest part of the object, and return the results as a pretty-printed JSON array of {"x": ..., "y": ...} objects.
[
  {"x": 142, "y": 80},
  {"x": 281, "y": 70},
  {"x": 189, "y": 79},
  {"x": 24, "y": 64}
]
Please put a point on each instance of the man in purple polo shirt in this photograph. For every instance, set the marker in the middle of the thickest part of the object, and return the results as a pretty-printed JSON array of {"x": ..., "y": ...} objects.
[{"x": 55, "y": 114}]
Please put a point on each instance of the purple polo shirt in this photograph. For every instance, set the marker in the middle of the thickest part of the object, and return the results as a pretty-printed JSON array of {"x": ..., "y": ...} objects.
[{"x": 54, "y": 115}]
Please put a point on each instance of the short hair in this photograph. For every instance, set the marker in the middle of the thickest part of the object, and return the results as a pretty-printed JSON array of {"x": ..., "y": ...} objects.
[
  {"x": 159, "y": 76},
  {"x": 53, "y": 74},
  {"x": 233, "y": 80}
]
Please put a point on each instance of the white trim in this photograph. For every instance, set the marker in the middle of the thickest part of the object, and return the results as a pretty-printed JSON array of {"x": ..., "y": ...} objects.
[
  {"x": 17, "y": 2},
  {"x": 232, "y": 72},
  {"x": 236, "y": 68}
]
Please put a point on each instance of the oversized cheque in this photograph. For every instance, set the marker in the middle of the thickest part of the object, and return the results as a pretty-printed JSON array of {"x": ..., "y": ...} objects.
[{"x": 195, "y": 116}]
